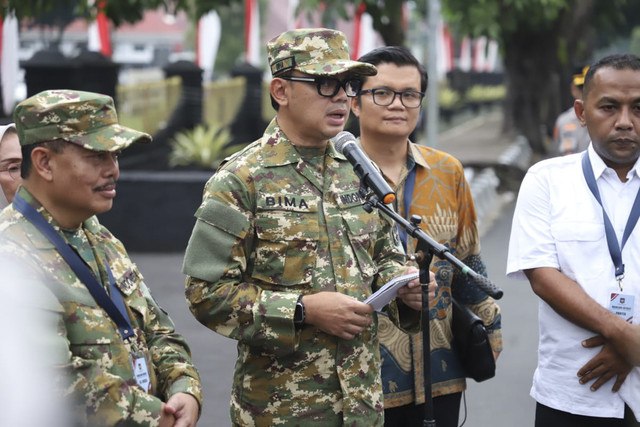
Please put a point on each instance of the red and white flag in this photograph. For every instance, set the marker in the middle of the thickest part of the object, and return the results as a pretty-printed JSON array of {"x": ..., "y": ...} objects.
[
  {"x": 444, "y": 50},
  {"x": 365, "y": 38},
  {"x": 464, "y": 63},
  {"x": 9, "y": 66},
  {"x": 99, "y": 37},
  {"x": 492, "y": 56},
  {"x": 480, "y": 54},
  {"x": 293, "y": 20},
  {"x": 207, "y": 43},
  {"x": 252, "y": 32}
]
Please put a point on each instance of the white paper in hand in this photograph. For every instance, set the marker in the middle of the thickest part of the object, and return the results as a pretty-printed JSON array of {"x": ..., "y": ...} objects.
[{"x": 386, "y": 293}]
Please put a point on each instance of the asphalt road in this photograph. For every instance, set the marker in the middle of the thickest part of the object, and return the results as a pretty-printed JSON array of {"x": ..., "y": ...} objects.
[
  {"x": 500, "y": 402},
  {"x": 504, "y": 401}
]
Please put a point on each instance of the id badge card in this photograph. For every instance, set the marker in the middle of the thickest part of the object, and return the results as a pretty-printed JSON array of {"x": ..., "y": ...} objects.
[
  {"x": 141, "y": 371},
  {"x": 622, "y": 305}
]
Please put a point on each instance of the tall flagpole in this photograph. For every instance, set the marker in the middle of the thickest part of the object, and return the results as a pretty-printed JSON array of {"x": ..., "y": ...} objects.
[
  {"x": 9, "y": 65},
  {"x": 433, "y": 118},
  {"x": 252, "y": 32},
  {"x": 99, "y": 39}
]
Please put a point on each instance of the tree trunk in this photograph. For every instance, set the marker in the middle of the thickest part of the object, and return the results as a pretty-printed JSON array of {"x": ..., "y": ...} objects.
[
  {"x": 577, "y": 41},
  {"x": 531, "y": 66},
  {"x": 388, "y": 21}
]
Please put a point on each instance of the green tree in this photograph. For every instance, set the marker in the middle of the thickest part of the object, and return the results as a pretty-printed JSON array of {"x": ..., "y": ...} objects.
[
  {"x": 118, "y": 11},
  {"x": 541, "y": 41},
  {"x": 386, "y": 15}
]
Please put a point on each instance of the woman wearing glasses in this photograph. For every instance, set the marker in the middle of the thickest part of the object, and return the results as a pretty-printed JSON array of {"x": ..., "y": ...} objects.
[{"x": 10, "y": 161}]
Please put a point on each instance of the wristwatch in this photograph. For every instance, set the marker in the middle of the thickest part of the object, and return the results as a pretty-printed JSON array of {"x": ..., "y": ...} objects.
[{"x": 298, "y": 316}]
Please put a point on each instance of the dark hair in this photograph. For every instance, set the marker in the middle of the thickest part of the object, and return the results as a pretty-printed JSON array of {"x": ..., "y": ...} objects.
[
  {"x": 618, "y": 62},
  {"x": 397, "y": 55},
  {"x": 56, "y": 145},
  {"x": 274, "y": 104}
]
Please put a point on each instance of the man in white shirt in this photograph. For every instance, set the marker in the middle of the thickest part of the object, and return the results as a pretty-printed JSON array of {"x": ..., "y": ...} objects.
[{"x": 586, "y": 273}]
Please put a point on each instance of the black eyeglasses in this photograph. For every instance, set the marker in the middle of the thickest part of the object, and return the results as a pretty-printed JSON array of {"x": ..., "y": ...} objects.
[
  {"x": 383, "y": 96},
  {"x": 329, "y": 86}
]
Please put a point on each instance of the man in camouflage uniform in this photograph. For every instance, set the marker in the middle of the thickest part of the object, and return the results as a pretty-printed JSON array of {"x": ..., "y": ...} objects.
[
  {"x": 283, "y": 253},
  {"x": 70, "y": 143}
]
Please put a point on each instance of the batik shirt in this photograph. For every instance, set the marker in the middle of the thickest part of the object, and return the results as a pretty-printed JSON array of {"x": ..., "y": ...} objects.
[
  {"x": 442, "y": 198},
  {"x": 276, "y": 223},
  {"x": 95, "y": 363}
]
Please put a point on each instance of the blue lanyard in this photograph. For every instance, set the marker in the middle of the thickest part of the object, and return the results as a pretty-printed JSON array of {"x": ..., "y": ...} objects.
[
  {"x": 612, "y": 241},
  {"x": 409, "y": 183},
  {"x": 114, "y": 305}
]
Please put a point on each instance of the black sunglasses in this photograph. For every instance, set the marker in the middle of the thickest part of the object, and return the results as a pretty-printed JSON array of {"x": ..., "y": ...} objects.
[{"x": 329, "y": 86}]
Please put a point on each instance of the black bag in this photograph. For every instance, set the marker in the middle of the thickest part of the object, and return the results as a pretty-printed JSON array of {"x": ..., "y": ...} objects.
[{"x": 471, "y": 343}]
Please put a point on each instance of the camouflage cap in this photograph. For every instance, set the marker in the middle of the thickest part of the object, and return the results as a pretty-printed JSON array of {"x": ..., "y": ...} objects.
[
  {"x": 315, "y": 51},
  {"x": 84, "y": 118}
]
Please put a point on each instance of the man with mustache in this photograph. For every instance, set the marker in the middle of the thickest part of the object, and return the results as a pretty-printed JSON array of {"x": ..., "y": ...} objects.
[
  {"x": 119, "y": 358},
  {"x": 575, "y": 238}
]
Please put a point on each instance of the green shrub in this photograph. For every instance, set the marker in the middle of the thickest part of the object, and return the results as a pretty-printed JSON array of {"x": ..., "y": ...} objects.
[
  {"x": 448, "y": 98},
  {"x": 201, "y": 147}
]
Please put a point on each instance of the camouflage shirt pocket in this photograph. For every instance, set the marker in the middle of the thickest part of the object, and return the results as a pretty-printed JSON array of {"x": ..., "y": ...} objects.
[
  {"x": 286, "y": 244},
  {"x": 362, "y": 230},
  {"x": 130, "y": 285}
]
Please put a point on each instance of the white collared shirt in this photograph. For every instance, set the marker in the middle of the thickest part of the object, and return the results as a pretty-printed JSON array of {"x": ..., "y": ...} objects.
[{"x": 558, "y": 223}]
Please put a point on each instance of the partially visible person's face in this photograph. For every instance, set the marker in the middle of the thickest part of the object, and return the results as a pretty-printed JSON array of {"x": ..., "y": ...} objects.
[
  {"x": 314, "y": 118},
  {"x": 83, "y": 183},
  {"x": 378, "y": 121},
  {"x": 611, "y": 112},
  {"x": 576, "y": 91},
  {"x": 10, "y": 161}
]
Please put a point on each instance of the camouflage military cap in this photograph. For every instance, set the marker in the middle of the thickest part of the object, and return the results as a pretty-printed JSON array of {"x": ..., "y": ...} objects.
[
  {"x": 83, "y": 118},
  {"x": 315, "y": 51}
]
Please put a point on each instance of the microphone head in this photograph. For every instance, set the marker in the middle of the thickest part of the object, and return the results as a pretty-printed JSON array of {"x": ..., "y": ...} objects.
[{"x": 342, "y": 139}]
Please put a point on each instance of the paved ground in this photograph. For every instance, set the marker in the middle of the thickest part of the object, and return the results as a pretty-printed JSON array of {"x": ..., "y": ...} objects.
[
  {"x": 500, "y": 402},
  {"x": 476, "y": 141}
]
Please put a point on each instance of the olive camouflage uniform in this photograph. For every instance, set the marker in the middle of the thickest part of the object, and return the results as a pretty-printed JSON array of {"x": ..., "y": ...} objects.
[
  {"x": 92, "y": 355},
  {"x": 277, "y": 222},
  {"x": 95, "y": 363}
]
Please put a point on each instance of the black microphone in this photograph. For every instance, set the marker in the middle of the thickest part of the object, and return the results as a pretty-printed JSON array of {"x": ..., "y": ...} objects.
[{"x": 369, "y": 174}]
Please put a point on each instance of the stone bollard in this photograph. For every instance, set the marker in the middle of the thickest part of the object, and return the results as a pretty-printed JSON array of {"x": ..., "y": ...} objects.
[
  {"x": 96, "y": 73},
  {"x": 248, "y": 124},
  {"x": 48, "y": 69},
  {"x": 188, "y": 114}
]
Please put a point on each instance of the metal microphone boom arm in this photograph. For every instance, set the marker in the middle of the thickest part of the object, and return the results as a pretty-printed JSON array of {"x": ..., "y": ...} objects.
[{"x": 433, "y": 247}]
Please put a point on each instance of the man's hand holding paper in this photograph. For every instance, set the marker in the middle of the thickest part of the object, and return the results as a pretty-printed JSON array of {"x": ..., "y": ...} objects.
[{"x": 406, "y": 287}]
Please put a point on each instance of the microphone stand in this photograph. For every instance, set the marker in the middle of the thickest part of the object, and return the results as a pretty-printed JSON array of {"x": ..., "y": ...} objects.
[{"x": 427, "y": 247}]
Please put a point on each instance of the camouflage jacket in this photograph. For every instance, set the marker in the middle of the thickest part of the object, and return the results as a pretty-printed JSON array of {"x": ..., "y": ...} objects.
[
  {"x": 442, "y": 198},
  {"x": 95, "y": 362},
  {"x": 273, "y": 226}
]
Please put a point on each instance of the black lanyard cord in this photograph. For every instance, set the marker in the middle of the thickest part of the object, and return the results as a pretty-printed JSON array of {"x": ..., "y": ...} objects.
[{"x": 114, "y": 305}]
